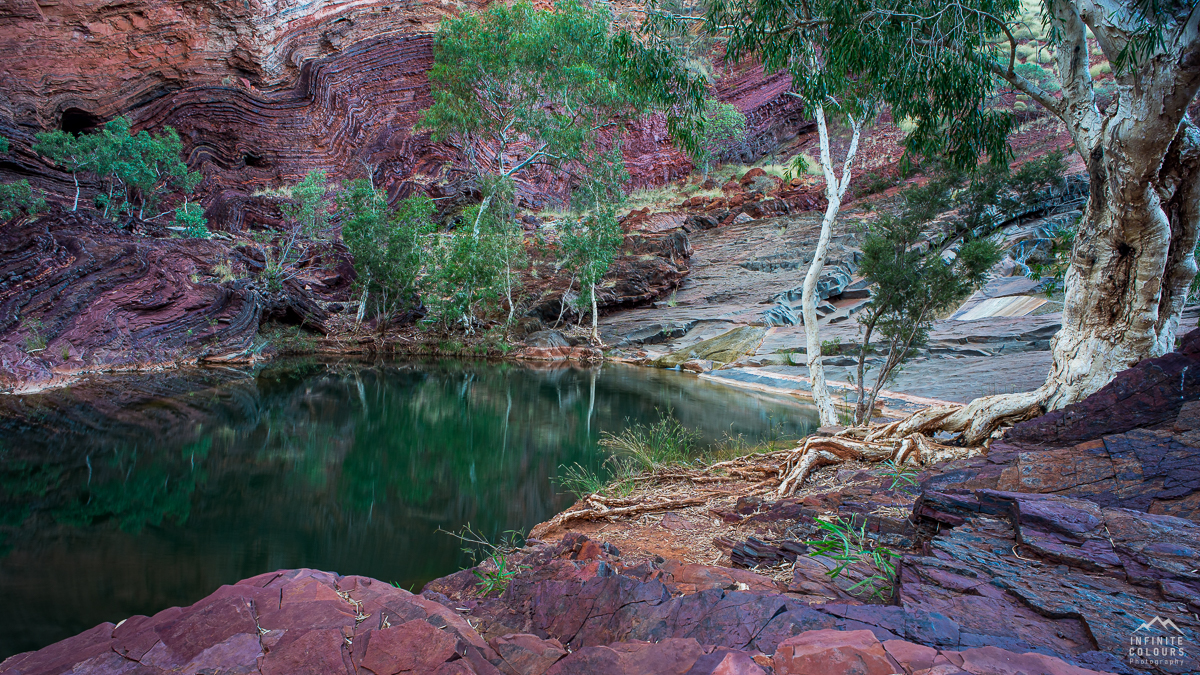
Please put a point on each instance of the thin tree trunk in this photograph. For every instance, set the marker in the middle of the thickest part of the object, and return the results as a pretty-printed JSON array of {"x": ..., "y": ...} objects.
[
  {"x": 835, "y": 191},
  {"x": 595, "y": 330},
  {"x": 75, "y": 177}
]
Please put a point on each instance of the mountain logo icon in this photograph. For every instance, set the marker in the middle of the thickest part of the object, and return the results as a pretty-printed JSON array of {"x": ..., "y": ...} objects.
[{"x": 1160, "y": 622}]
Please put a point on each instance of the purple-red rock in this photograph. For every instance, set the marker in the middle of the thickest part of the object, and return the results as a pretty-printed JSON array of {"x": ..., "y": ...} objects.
[
  {"x": 1133, "y": 444},
  {"x": 524, "y": 654},
  {"x": 833, "y": 652},
  {"x": 290, "y": 622},
  {"x": 673, "y": 656}
]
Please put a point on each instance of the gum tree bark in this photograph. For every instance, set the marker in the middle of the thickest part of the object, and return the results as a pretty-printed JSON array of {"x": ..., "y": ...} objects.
[
  {"x": 1132, "y": 262},
  {"x": 835, "y": 192}
]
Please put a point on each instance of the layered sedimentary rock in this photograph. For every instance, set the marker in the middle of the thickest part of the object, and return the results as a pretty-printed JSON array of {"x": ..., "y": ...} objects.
[
  {"x": 79, "y": 295},
  {"x": 1133, "y": 444},
  {"x": 307, "y": 621},
  {"x": 263, "y": 92}
]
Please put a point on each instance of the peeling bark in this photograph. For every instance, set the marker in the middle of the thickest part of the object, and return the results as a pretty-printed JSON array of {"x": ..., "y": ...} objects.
[{"x": 1132, "y": 263}]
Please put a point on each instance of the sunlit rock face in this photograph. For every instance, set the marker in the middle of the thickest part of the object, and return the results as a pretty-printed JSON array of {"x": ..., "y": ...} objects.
[{"x": 263, "y": 92}]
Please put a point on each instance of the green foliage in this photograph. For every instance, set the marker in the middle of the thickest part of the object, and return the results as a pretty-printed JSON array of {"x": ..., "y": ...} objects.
[
  {"x": 35, "y": 337},
  {"x": 847, "y": 545},
  {"x": 831, "y": 347},
  {"x": 513, "y": 71},
  {"x": 494, "y": 569},
  {"x": 925, "y": 62},
  {"x": 582, "y": 481},
  {"x": 388, "y": 245},
  {"x": 19, "y": 198},
  {"x": 307, "y": 214},
  {"x": 308, "y": 208},
  {"x": 590, "y": 243},
  {"x": 1039, "y": 76},
  {"x": 900, "y": 474},
  {"x": 287, "y": 339},
  {"x": 723, "y": 128},
  {"x": 654, "y": 446},
  {"x": 912, "y": 281},
  {"x": 191, "y": 218},
  {"x": 471, "y": 270},
  {"x": 3, "y": 145},
  {"x": 520, "y": 86},
  {"x": 136, "y": 170}
]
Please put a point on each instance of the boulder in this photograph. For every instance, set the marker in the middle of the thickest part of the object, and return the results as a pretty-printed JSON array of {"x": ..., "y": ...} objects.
[
  {"x": 546, "y": 339},
  {"x": 833, "y": 652},
  {"x": 673, "y": 656},
  {"x": 524, "y": 654},
  {"x": 724, "y": 348},
  {"x": 289, "y": 622}
]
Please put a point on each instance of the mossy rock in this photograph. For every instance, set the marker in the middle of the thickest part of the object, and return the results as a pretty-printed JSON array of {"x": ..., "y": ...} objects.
[{"x": 724, "y": 348}]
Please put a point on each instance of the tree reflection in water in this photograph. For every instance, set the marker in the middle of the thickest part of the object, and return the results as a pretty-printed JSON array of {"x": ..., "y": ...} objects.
[{"x": 129, "y": 494}]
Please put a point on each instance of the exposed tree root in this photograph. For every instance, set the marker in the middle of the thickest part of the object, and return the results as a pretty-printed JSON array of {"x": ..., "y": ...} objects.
[
  {"x": 876, "y": 446},
  {"x": 597, "y": 506}
]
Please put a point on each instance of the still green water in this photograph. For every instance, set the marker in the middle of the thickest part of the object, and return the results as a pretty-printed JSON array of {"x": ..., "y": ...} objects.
[{"x": 128, "y": 494}]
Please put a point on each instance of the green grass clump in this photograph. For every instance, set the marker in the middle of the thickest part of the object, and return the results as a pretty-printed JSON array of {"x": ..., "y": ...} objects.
[
  {"x": 847, "y": 545},
  {"x": 655, "y": 446}
]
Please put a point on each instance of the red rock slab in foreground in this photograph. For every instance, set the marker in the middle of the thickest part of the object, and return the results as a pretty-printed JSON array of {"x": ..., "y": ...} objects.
[
  {"x": 295, "y": 622},
  {"x": 321, "y": 623}
]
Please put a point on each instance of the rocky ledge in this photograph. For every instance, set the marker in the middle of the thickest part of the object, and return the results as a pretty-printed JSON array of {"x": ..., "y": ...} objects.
[{"x": 306, "y": 621}]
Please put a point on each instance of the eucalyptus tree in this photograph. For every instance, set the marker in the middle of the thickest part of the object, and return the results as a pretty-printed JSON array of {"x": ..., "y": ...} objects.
[
  {"x": 935, "y": 62},
  {"x": 1132, "y": 261},
  {"x": 795, "y": 37},
  {"x": 517, "y": 88},
  {"x": 136, "y": 169}
]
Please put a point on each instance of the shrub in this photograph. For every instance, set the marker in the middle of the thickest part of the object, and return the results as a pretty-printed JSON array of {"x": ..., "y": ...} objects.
[
  {"x": 388, "y": 245},
  {"x": 136, "y": 170},
  {"x": 191, "y": 218},
  {"x": 912, "y": 281},
  {"x": 308, "y": 209},
  {"x": 722, "y": 129},
  {"x": 471, "y": 270},
  {"x": 17, "y": 199}
]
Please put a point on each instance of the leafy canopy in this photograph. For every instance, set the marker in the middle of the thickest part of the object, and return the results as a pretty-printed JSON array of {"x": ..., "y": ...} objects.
[
  {"x": 514, "y": 85},
  {"x": 136, "y": 170},
  {"x": 926, "y": 59},
  {"x": 388, "y": 245},
  {"x": 18, "y": 197},
  {"x": 722, "y": 128}
]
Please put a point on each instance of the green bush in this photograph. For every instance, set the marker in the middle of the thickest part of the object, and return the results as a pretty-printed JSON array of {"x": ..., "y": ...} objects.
[
  {"x": 18, "y": 198},
  {"x": 308, "y": 209},
  {"x": 722, "y": 128},
  {"x": 136, "y": 170},
  {"x": 388, "y": 245},
  {"x": 191, "y": 218}
]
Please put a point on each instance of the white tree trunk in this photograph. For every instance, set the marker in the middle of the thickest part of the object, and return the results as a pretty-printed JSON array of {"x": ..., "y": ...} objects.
[
  {"x": 835, "y": 191},
  {"x": 595, "y": 329},
  {"x": 1132, "y": 262}
]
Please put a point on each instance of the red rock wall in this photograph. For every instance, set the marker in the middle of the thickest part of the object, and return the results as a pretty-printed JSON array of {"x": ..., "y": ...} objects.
[{"x": 263, "y": 92}]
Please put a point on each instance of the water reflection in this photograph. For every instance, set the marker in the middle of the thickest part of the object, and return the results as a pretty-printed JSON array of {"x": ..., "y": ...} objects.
[{"x": 126, "y": 495}]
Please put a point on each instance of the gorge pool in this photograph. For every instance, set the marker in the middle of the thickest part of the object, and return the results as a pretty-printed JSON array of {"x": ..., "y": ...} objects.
[{"x": 128, "y": 494}]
